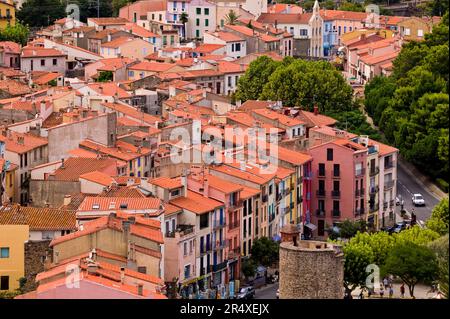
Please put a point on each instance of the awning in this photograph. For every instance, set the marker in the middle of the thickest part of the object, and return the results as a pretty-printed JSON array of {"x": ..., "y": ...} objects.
[{"x": 311, "y": 226}]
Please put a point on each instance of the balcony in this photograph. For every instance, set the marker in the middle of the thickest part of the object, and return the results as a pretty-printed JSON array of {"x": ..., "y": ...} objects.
[
  {"x": 234, "y": 253},
  {"x": 391, "y": 203},
  {"x": 218, "y": 224},
  {"x": 265, "y": 198},
  {"x": 388, "y": 165},
  {"x": 233, "y": 206},
  {"x": 373, "y": 209},
  {"x": 360, "y": 172},
  {"x": 320, "y": 213},
  {"x": 335, "y": 213},
  {"x": 320, "y": 193},
  {"x": 182, "y": 230},
  {"x": 233, "y": 225},
  {"x": 279, "y": 196},
  {"x": 336, "y": 194},
  {"x": 215, "y": 268},
  {"x": 359, "y": 192},
  {"x": 374, "y": 171},
  {"x": 320, "y": 173},
  {"x": 388, "y": 185},
  {"x": 219, "y": 245},
  {"x": 374, "y": 190}
]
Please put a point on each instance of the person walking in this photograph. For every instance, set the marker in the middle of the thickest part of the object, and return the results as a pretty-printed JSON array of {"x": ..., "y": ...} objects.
[
  {"x": 391, "y": 291},
  {"x": 402, "y": 290},
  {"x": 381, "y": 291},
  {"x": 385, "y": 282}
]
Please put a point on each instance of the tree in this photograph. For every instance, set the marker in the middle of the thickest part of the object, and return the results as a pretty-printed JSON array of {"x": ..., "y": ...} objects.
[
  {"x": 440, "y": 248},
  {"x": 184, "y": 19},
  {"x": 348, "y": 229},
  {"x": 350, "y": 6},
  {"x": 105, "y": 76},
  {"x": 17, "y": 33},
  {"x": 231, "y": 17},
  {"x": 439, "y": 218},
  {"x": 38, "y": 13},
  {"x": 265, "y": 251},
  {"x": 248, "y": 267},
  {"x": 416, "y": 235},
  {"x": 117, "y": 4},
  {"x": 412, "y": 263},
  {"x": 358, "y": 256}
]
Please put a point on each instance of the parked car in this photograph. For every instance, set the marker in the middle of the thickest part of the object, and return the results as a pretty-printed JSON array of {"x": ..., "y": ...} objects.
[
  {"x": 398, "y": 227},
  {"x": 418, "y": 200},
  {"x": 246, "y": 293}
]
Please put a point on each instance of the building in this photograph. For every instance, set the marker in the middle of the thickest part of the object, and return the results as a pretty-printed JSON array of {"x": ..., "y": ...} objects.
[
  {"x": 415, "y": 28},
  {"x": 316, "y": 24},
  {"x": 42, "y": 59},
  {"x": 10, "y": 53},
  {"x": 235, "y": 46},
  {"x": 12, "y": 255},
  {"x": 126, "y": 47},
  {"x": 7, "y": 13},
  {"x": 202, "y": 18}
]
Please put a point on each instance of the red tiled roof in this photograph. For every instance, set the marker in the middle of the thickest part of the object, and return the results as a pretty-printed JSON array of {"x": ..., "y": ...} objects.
[
  {"x": 44, "y": 219},
  {"x": 152, "y": 66},
  {"x": 132, "y": 112},
  {"x": 316, "y": 120},
  {"x": 140, "y": 31},
  {"x": 23, "y": 142},
  {"x": 109, "y": 21},
  {"x": 10, "y": 47},
  {"x": 98, "y": 177},
  {"x": 280, "y": 118},
  {"x": 117, "y": 42},
  {"x": 196, "y": 203},
  {"x": 166, "y": 182},
  {"x": 14, "y": 88},
  {"x": 284, "y": 18},
  {"x": 208, "y": 48},
  {"x": 226, "y": 36},
  {"x": 74, "y": 167},
  {"x": 110, "y": 89},
  {"x": 106, "y": 203},
  {"x": 33, "y": 52},
  {"x": 230, "y": 67},
  {"x": 44, "y": 79}
]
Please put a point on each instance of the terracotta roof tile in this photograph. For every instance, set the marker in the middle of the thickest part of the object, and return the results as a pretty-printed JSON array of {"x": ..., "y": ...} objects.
[
  {"x": 98, "y": 178},
  {"x": 166, "y": 182},
  {"x": 117, "y": 42},
  {"x": 152, "y": 66},
  {"x": 132, "y": 112},
  {"x": 23, "y": 142},
  {"x": 33, "y": 52},
  {"x": 14, "y": 88},
  {"x": 196, "y": 203},
  {"x": 119, "y": 203},
  {"x": 208, "y": 48},
  {"x": 38, "y": 218},
  {"x": 278, "y": 117},
  {"x": 74, "y": 167}
]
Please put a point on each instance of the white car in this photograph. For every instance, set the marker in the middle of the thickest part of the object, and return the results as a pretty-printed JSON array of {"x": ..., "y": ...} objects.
[{"x": 418, "y": 200}]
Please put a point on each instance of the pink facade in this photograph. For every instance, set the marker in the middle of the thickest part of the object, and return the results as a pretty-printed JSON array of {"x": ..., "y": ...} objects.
[{"x": 338, "y": 184}]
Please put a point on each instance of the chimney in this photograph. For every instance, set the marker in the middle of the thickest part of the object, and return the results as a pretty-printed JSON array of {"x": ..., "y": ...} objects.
[
  {"x": 140, "y": 289},
  {"x": 122, "y": 275},
  {"x": 290, "y": 233},
  {"x": 316, "y": 110},
  {"x": 62, "y": 163},
  {"x": 205, "y": 185},
  {"x": 67, "y": 199}
]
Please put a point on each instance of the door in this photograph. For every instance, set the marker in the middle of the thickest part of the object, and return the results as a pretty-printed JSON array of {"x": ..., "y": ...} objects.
[
  {"x": 4, "y": 283},
  {"x": 218, "y": 87}
]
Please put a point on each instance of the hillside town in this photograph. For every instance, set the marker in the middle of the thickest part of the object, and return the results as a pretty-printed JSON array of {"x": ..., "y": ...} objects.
[{"x": 131, "y": 162}]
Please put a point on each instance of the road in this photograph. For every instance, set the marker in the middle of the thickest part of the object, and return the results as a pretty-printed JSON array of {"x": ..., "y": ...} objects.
[
  {"x": 408, "y": 185},
  {"x": 268, "y": 292}
]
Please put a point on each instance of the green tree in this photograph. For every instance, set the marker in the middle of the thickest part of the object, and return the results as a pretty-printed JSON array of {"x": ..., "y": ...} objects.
[
  {"x": 440, "y": 248},
  {"x": 438, "y": 221},
  {"x": 251, "y": 84},
  {"x": 38, "y": 13},
  {"x": 89, "y": 10},
  {"x": 17, "y": 33},
  {"x": 264, "y": 251},
  {"x": 231, "y": 17},
  {"x": 358, "y": 255},
  {"x": 117, "y": 4},
  {"x": 348, "y": 229},
  {"x": 184, "y": 19},
  {"x": 416, "y": 235},
  {"x": 350, "y": 6},
  {"x": 412, "y": 263},
  {"x": 248, "y": 267},
  {"x": 105, "y": 76}
]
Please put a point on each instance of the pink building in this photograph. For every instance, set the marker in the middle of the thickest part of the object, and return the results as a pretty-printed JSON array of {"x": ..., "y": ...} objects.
[
  {"x": 338, "y": 185},
  {"x": 9, "y": 54},
  {"x": 227, "y": 193}
]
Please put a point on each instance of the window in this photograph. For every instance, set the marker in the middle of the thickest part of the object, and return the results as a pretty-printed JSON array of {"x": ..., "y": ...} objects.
[
  {"x": 55, "y": 62},
  {"x": 222, "y": 23},
  {"x": 197, "y": 22},
  {"x": 238, "y": 47},
  {"x": 4, "y": 283},
  {"x": 420, "y": 33},
  {"x": 142, "y": 270},
  {"x": 407, "y": 31},
  {"x": 339, "y": 30},
  {"x": 185, "y": 251},
  {"x": 336, "y": 169},
  {"x": 303, "y": 32},
  {"x": 187, "y": 271},
  {"x": 4, "y": 252},
  {"x": 291, "y": 30},
  {"x": 206, "y": 22},
  {"x": 153, "y": 16},
  {"x": 350, "y": 29},
  {"x": 206, "y": 11},
  {"x": 321, "y": 169},
  {"x": 160, "y": 17},
  {"x": 336, "y": 186},
  {"x": 47, "y": 235},
  {"x": 329, "y": 154},
  {"x": 191, "y": 247},
  {"x": 198, "y": 10},
  {"x": 42, "y": 62},
  {"x": 320, "y": 227},
  {"x": 204, "y": 221}
]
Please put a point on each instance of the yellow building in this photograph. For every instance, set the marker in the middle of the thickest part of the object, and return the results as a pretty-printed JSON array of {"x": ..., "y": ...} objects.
[
  {"x": 7, "y": 13},
  {"x": 12, "y": 255}
]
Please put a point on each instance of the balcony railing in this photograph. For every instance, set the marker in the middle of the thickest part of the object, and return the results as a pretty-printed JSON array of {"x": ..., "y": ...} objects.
[
  {"x": 388, "y": 185},
  {"x": 374, "y": 171},
  {"x": 219, "y": 267},
  {"x": 234, "y": 253},
  {"x": 391, "y": 203},
  {"x": 320, "y": 192},
  {"x": 219, "y": 245},
  {"x": 389, "y": 165},
  {"x": 335, "y": 213},
  {"x": 360, "y": 172},
  {"x": 264, "y": 198},
  {"x": 219, "y": 224},
  {"x": 320, "y": 213},
  {"x": 359, "y": 192},
  {"x": 336, "y": 194},
  {"x": 374, "y": 190},
  {"x": 182, "y": 230},
  {"x": 374, "y": 208},
  {"x": 233, "y": 225}
]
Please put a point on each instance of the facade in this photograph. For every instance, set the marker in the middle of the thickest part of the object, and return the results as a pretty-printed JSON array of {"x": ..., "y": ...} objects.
[
  {"x": 42, "y": 59},
  {"x": 7, "y": 13},
  {"x": 316, "y": 24},
  {"x": 201, "y": 18}
]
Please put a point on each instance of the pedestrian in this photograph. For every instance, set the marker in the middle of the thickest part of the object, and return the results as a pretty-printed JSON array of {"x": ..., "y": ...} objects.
[
  {"x": 385, "y": 282},
  {"x": 402, "y": 290},
  {"x": 391, "y": 291},
  {"x": 381, "y": 291}
]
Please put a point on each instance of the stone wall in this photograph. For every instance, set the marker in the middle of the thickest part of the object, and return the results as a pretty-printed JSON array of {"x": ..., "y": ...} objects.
[
  {"x": 35, "y": 254},
  {"x": 50, "y": 192},
  {"x": 311, "y": 270}
]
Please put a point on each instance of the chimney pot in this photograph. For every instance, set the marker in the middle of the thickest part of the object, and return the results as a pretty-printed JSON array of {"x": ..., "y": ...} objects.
[{"x": 140, "y": 289}]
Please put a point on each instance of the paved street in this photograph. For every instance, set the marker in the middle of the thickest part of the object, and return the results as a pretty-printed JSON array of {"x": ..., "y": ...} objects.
[
  {"x": 407, "y": 185},
  {"x": 267, "y": 292}
]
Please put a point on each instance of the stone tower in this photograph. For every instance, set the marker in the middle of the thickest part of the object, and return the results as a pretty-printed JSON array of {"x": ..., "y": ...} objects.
[{"x": 310, "y": 269}]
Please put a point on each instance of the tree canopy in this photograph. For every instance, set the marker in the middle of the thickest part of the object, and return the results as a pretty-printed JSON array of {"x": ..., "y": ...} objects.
[
  {"x": 438, "y": 221},
  {"x": 17, "y": 33},
  {"x": 38, "y": 13},
  {"x": 264, "y": 251},
  {"x": 411, "y": 105},
  {"x": 440, "y": 248}
]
